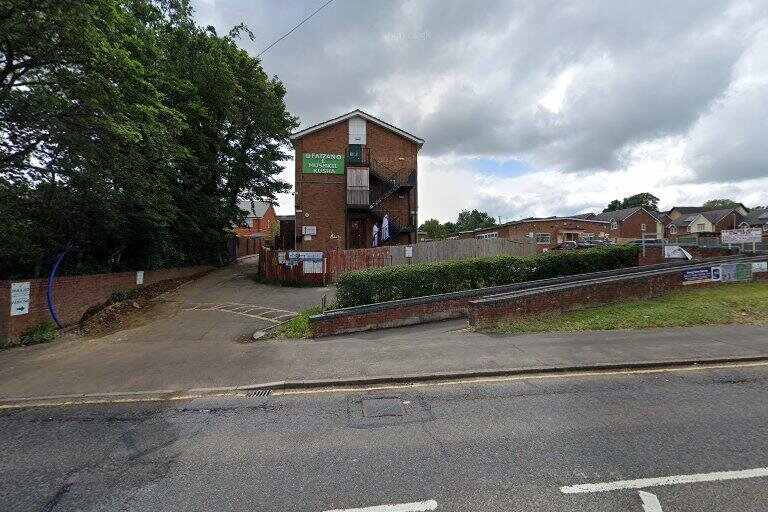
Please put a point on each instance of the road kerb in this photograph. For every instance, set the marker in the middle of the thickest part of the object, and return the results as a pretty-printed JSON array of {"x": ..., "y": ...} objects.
[{"x": 297, "y": 386}]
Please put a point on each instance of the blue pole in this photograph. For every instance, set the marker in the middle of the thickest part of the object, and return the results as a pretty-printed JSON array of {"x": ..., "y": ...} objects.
[{"x": 49, "y": 291}]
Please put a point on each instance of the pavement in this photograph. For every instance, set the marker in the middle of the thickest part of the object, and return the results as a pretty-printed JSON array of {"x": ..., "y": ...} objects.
[
  {"x": 177, "y": 357},
  {"x": 675, "y": 441}
]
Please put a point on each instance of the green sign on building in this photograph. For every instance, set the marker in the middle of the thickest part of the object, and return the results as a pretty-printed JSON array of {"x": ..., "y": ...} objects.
[{"x": 322, "y": 163}]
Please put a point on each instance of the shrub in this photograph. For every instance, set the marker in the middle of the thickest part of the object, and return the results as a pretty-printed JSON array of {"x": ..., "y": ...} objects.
[
  {"x": 41, "y": 333},
  {"x": 124, "y": 294},
  {"x": 407, "y": 281}
]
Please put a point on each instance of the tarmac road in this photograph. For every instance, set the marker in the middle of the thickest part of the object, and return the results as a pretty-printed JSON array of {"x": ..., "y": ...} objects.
[{"x": 526, "y": 444}]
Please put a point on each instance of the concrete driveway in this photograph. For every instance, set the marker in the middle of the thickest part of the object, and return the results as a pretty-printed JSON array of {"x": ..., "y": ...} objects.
[{"x": 195, "y": 336}]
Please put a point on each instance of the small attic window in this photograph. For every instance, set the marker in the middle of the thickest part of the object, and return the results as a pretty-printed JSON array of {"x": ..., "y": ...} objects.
[{"x": 614, "y": 224}]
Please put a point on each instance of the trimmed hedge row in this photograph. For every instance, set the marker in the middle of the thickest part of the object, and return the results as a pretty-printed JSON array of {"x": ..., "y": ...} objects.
[{"x": 383, "y": 284}]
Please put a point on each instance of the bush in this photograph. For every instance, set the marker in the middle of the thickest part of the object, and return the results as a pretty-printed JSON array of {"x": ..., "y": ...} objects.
[
  {"x": 124, "y": 294},
  {"x": 41, "y": 333},
  {"x": 407, "y": 281}
]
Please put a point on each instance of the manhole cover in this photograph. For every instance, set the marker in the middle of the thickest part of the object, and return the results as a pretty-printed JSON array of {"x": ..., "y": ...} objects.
[{"x": 382, "y": 407}]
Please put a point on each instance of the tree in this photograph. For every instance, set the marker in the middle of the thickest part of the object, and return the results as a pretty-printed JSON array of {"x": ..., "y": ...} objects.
[
  {"x": 433, "y": 229},
  {"x": 644, "y": 199},
  {"x": 466, "y": 221},
  {"x": 720, "y": 204},
  {"x": 475, "y": 219},
  {"x": 128, "y": 133}
]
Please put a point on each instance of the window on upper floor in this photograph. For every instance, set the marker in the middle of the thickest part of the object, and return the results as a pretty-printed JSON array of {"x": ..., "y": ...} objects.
[
  {"x": 672, "y": 230},
  {"x": 614, "y": 224},
  {"x": 643, "y": 227}
]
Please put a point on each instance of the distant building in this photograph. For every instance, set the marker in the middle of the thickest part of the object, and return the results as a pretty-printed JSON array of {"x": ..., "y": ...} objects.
[
  {"x": 356, "y": 184},
  {"x": 546, "y": 232},
  {"x": 259, "y": 221},
  {"x": 694, "y": 220},
  {"x": 632, "y": 224}
]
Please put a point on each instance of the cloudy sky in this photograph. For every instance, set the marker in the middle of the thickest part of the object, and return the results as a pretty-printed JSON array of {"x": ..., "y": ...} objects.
[{"x": 536, "y": 107}]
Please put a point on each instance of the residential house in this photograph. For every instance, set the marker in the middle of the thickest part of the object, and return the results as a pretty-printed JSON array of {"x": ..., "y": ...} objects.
[
  {"x": 356, "y": 184},
  {"x": 632, "y": 224},
  {"x": 679, "y": 211},
  {"x": 702, "y": 221},
  {"x": 757, "y": 218},
  {"x": 260, "y": 219},
  {"x": 692, "y": 223}
]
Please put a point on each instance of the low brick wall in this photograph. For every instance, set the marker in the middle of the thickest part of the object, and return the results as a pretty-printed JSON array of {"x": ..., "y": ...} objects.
[
  {"x": 74, "y": 295},
  {"x": 487, "y": 304},
  {"x": 538, "y": 302}
]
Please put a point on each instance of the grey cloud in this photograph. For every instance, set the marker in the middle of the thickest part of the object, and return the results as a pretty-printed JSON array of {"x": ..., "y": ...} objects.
[{"x": 642, "y": 70}]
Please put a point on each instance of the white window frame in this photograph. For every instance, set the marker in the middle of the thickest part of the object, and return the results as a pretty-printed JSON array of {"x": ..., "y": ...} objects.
[
  {"x": 614, "y": 224},
  {"x": 564, "y": 233},
  {"x": 643, "y": 227},
  {"x": 700, "y": 227},
  {"x": 672, "y": 230},
  {"x": 492, "y": 234},
  {"x": 542, "y": 242}
]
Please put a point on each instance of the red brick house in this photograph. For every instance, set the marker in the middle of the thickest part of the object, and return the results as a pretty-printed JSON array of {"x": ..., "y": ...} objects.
[
  {"x": 694, "y": 220},
  {"x": 356, "y": 184},
  {"x": 546, "y": 232},
  {"x": 259, "y": 221},
  {"x": 632, "y": 224}
]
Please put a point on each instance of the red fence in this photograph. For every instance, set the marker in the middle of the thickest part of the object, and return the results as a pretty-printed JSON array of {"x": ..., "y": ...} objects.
[
  {"x": 240, "y": 246},
  {"x": 274, "y": 270}
]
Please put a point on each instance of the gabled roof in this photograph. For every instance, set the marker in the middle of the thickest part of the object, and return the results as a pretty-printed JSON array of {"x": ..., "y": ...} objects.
[
  {"x": 625, "y": 213},
  {"x": 757, "y": 217},
  {"x": 686, "y": 220},
  {"x": 258, "y": 210},
  {"x": 715, "y": 216},
  {"x": 357, "y": 113}
]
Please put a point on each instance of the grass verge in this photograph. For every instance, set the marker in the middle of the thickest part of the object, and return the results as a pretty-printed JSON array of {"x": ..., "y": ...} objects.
[
  {"x": 296, "y": 327},
  {"x": 743, "y": 303}
]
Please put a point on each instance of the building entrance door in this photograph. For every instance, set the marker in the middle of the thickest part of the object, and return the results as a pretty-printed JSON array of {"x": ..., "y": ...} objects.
[{"x": 357, "y": 233}]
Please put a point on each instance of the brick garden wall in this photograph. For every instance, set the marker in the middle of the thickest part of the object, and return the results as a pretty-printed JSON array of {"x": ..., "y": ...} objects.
[{"x": 74, "y": 295}]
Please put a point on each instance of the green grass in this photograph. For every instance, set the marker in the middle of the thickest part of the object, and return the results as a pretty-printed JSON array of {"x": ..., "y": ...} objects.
[
  {"x": 296, "y": 327},
  {"x": 40, "y": 333},
  {"x": 744, "y": 303}
]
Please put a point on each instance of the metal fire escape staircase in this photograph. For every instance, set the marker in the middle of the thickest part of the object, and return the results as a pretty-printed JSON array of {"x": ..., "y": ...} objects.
[{"x": 389, "y": 184}]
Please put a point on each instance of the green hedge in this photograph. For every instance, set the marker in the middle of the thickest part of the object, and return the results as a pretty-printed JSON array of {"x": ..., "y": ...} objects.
[{"x": 373, "y": 285}]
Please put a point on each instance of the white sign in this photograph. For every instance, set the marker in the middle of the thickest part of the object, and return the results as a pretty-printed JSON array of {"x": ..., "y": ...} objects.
[
  {"x": 19, "y": 299},
  {"x": 760, "y": 266},
  {"x": 139, "y": 277},
  {"x": 408, "y": 251},
  {"x": 312, "y": 266},
  {"x": 742, "y": 236},
  {"x": 675, "y": 251},
  {"x": 309, "y": 230}
]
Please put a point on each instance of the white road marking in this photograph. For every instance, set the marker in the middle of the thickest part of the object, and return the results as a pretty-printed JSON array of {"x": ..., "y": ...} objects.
[
  {"x": 419, "y": 506},
  {"x": 641, "y": 483},
  {"x": 650, "y": 502}
]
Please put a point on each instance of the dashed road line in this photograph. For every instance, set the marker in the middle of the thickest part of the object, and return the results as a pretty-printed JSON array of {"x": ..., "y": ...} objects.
[
  {"x": 642, "y": 483},
  {"x": 418, "y": 506}
]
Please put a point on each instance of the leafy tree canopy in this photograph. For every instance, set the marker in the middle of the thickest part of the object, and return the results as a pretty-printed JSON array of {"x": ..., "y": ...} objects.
[
  {"x": 129, "y": 134},
  {"x": 720, "y": 204},
  {"x": 644, "y": 199},
  {"x": 466, "y": 221}
]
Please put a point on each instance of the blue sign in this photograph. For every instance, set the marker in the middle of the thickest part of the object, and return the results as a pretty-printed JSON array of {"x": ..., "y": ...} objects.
[{"x": 697, "y": 275}]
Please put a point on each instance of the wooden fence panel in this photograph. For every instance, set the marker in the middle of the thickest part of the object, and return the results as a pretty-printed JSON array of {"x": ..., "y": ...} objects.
[{"x": 425, "y": 252}]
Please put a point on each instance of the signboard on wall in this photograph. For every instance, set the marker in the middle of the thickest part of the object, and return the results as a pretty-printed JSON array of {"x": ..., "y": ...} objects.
[
  {"x": 19, "y": 299},
  {"x": 735, "y": 272},
  {"x": 322, "y": 163},
  {"x": 697, "y": 275},
  {"x": 305, "y": 255},
  {"x": 759, "y": 266},
  {"x": 742, "y": 236},
  {"x": 675, "y": 252}
]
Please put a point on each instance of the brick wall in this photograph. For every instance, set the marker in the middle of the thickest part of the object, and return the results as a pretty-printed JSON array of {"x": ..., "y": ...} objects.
[
  {"x": 478, "y": 310},
  {"x": 321, "y": 199},
  {"x": 74, "y": 295}
]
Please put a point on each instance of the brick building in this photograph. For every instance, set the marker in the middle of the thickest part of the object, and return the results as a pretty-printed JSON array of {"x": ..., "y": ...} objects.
[
  {"x": 546, "y": 232},
  {"x": 632, "y": 224},
  {"x": 356, "y": 184},
  {"x": 259, "y": 221}
]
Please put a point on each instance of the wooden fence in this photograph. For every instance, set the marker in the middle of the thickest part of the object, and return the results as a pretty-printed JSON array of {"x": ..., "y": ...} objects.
[{"x": 339, "y": 262}]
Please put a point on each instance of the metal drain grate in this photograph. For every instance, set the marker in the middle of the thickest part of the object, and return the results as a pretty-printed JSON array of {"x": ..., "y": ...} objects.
[{"x": 259, "y": 392}]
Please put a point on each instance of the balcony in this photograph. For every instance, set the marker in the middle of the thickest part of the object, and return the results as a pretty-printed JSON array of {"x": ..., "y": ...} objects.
[{"x": 358, "y": 197}]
